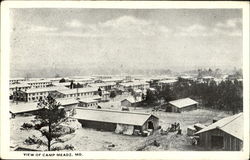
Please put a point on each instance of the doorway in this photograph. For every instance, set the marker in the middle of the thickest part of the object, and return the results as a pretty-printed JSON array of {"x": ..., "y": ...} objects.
[{"x": 150, "y": 125}]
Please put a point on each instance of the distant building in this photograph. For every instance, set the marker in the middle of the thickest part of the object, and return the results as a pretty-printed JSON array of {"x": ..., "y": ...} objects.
[
  {"x": 170, "y": 82},
  {"x": 180, "y": 105},
  {"x": 34, "y": 94},
  {"x": 64, "y": 84},
  {"x": 68, "y": 105},
  {"x": 88, "y": 102},
  {"x": 115, "y": 80},
  {"x": 105, "y": 96},
  {"x": 40, "y": 83},
  {"x": 77, "y": 92},
  {"x": 225, "y": 134},
  {"x": 16, "y": 80},
  {"x": 131, "y": 102},
  {"x": 104, "y": 86},
  {"x": 118, "y": 121},
  {"x": 82, "y": 80},
  {"x": 134, "y": 85},
  {"x": 15, "y": 87},
  {"x": 128, "y": 78},
  {"x": 101, "y": 77}
]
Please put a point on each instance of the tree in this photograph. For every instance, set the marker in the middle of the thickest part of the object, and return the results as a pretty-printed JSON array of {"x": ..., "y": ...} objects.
[
  {"x": 151, "y": 97},
  {"x": 99, "y": 91},
  {"x": 48, "y": 122},
  {"x": 62, "y": 80},
  {"x": 112, "y": 94},
  {"x": 77, "y": 85},
  {"x": 166, "y": 93},
  {"x": 71, "y": 84}
]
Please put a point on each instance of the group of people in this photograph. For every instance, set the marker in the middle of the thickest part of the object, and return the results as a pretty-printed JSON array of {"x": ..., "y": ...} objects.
[{"x": 175, "y": 126}]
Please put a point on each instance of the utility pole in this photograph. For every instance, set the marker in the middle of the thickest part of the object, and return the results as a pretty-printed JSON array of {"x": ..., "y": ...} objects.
[{"x": 76, "y": 92}]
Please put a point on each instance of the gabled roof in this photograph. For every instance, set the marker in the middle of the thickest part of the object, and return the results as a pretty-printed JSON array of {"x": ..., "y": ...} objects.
[
  {"x": 19, "y": 85},
  {"x": 45, "y": 89},
  {"x": 61, "y": 84},
  {"x": 131, "y": 100},
  {"x": 112, "y": 116},
  {"x": 135, "y": 83},
  {"x": 232, "y": 125},
  {"x": 68, "y": 101},
  {"x": 39, "y": 81},
  {"x": 80, "y": 90},
  {"x": 88, "y": 100},
  {"x": 168, "y": 81},
  {"x": 23, "y": 107},
  {"x": 180, "y": 103},
  {"x": 102, "y": 84}
]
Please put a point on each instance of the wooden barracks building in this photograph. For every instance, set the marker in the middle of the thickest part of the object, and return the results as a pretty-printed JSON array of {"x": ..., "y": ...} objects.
[
  {"x": 225, "y": 134},
  {"x": 118, "y": 121},
  {"x": 180, "y": 105}
]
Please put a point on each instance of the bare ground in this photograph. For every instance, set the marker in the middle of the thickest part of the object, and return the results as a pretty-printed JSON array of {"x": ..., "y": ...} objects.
[{"x": 85, "y": 139}]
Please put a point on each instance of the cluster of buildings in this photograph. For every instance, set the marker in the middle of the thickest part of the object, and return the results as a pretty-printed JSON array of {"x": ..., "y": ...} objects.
[
  {"x": 85, "y": 92},
  {"x": 33, "y": 90},
  {"x": 82, "y": 102}
]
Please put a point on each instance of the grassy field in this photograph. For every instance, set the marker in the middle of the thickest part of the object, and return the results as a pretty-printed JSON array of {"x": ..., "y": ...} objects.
[{"x": 85, "y": 139}]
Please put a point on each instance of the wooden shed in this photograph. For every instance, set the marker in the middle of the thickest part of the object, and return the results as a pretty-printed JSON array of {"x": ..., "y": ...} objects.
[
  {"x": 225, "y": 134},
  {"x": 180, "y": 105},
  {"x": 118, "y": 121},
  {"x": 131, "y": 102},
  {"x": 68, "y": 105}
]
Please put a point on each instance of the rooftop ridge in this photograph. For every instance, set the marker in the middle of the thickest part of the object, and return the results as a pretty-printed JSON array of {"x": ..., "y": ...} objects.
[
  {"x": 107, "y": 110},
  {"x": 236, "y": 116},
  {"x": 181, "y": 99}
]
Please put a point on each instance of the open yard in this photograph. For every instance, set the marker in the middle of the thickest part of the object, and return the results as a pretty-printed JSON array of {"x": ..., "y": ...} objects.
[{"x": 85, "y": 139}]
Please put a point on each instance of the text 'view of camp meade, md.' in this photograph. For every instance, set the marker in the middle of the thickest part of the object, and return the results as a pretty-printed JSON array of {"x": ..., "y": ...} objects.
[{"x": 88, "y": 79}]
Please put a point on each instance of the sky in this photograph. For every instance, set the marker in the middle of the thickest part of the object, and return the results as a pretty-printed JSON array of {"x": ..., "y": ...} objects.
[{"x": 86, "y": 41}]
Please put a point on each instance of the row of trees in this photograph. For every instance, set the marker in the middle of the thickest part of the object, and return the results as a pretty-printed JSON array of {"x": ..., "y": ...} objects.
[{"x": 226, "y": 95}]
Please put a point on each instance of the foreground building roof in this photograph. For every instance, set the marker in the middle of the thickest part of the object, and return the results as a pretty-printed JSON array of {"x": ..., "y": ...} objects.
[
  {"x": 23, "y": 107},
  {"x": 112, "y": 116},
  {"x": 232, "y": 125}
]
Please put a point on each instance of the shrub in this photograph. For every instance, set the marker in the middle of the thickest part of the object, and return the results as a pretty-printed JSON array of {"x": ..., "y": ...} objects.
[
  {"x": 26, "y": 126},
  {"x": 69, "y": 147}
]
